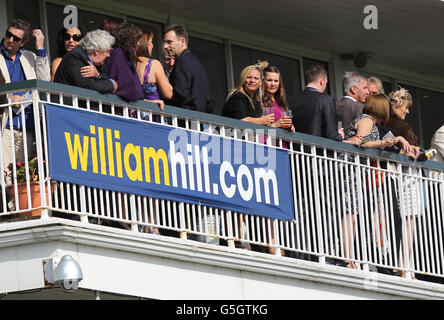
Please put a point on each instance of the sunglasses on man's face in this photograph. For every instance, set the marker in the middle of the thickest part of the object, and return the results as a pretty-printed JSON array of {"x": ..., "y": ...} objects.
[
  {"x": 75, "y": 37},
  {"x": 14, "y": 38}
]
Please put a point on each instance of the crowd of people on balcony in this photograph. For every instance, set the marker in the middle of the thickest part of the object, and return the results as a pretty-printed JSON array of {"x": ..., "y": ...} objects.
[{"x": 121, "y": 63}]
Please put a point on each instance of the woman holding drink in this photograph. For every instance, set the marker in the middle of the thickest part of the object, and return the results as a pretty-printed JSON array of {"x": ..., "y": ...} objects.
[{"x": 275, "y": 100}]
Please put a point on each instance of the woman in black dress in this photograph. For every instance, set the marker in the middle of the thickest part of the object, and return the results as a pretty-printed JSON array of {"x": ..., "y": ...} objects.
[{"x": 245, "y": 101}]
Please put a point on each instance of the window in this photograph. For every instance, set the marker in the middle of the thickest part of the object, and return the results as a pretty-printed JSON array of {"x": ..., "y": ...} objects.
[
  {"x": 307, "y": 63},
  {"x": 289, "y": 68},
  {"x": 87, "y": 20},
  {"x": 28, "y": 10},
  {"x": 212, "y": 56},
  {"x": 426, "y": 114},
  {"x": 432, "y": 113},
  {"x": 156, "y": 29},
  {"x": 387, "y": 87}
]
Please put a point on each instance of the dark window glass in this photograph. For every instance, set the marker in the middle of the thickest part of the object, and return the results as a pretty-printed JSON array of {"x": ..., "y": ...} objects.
[
  {"x": 387, "y": 87},
  {"x": 426, "y": 114},
  {"x": 156, "y": 29},
  {"x": 307, "y": 63},
  {"x": 87, "y": 20},
  {"x": 27, "y": 10},
  {"x": 289, "y": 68},
  {"x": 432, "y": 113},
  {"x": 212, "y": 56}
]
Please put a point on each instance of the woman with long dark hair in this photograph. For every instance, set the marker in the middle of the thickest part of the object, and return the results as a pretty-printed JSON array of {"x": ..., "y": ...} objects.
[
  {"x": 121, "y": 65},
  {"x": 274, "y": 97},
  {"x": 67, "y": 39},
  {"x": 151, "y": 73}
]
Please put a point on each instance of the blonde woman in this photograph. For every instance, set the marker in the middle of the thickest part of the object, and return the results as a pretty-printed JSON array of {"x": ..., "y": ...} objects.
[
  {"x": 410, "y": 198},
  {"x": 245, "y": 101}
]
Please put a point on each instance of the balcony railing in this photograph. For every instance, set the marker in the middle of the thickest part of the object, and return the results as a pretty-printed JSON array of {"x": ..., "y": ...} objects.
[{"x": 323, "y": 181}]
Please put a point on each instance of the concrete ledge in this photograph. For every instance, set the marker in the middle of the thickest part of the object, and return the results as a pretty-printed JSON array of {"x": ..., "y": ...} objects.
[{"x": 176, "y": 262}]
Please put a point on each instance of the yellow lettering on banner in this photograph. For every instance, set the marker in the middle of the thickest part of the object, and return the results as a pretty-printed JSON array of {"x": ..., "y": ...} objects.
[
  {"x": 77, "y": 151},
  {"x": 158, "y": 156},
  {"x": 118, "y": 154},
  {"x": 94, "y": 150},
  {"x": 136, "y": 174},
  {"x": 102, "y": 151},
  {"x": 110, "y": 152}
]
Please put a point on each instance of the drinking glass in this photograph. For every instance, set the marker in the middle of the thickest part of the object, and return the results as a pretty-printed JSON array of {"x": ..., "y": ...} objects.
[
  {"x": 286, "y": 113},
  {"x": 268, "y": 111}
]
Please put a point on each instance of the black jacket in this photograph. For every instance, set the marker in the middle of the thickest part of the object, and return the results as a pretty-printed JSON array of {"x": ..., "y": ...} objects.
[
  {"x": 315, "y": 113},
  {"x": 191, "y": 89},
  {"x": 238, "y": 106},
  {"x": 68, "y": 72}
]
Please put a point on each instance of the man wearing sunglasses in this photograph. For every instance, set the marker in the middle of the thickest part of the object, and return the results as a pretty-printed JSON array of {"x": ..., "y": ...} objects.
[{"x": 18, "y": 64}]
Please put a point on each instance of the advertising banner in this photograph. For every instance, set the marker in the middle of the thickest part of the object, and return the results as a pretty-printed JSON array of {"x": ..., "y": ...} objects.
[{"x": 150, "y": 159}]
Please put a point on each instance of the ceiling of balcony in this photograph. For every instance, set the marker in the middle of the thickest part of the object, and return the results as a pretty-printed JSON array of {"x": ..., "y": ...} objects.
[{"x": 409, "y": 34}]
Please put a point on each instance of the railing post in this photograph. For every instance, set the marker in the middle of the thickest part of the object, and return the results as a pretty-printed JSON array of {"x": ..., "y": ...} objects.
[
  {"x": 134, "y": 214},
  {"x": 40, "y": 157},
  {"x": 83, "y": 216},
  {"x": 317, "y": 199},
  {"x": 230, "y": 240},
  {"x": 182, "y": 222},
  {"x": 404, "y": 261},
  {"x": 361, "y": 214},
  {"x": 277, "y": 249}
]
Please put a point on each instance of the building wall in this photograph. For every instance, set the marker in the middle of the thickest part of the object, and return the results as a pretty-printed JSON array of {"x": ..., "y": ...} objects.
[
  {"x": 157, "y": 267},
  {"x": 225, "y": 51}
]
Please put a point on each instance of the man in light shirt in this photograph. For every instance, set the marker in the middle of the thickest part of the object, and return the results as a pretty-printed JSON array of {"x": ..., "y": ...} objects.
[{"x": 18, "y": 64}]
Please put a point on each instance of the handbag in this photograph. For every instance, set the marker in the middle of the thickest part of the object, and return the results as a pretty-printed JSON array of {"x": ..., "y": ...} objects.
[{"x": 379, "y": 176}]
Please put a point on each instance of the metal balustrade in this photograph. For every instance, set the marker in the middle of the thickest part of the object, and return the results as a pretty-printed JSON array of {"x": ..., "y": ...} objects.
[{"x": 323, "y": 179}]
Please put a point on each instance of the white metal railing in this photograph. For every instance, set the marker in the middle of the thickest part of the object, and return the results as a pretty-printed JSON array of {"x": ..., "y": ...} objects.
[{"x": 323, "y": 182}]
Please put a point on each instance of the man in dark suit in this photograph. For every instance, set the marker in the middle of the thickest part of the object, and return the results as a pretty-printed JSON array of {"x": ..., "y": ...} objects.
[
  {"x": 191, "y": 89},
  {"x": 93, "y": 51},
  {"x": 356, "y": 91},
  {"x": 314, "y": 112}
]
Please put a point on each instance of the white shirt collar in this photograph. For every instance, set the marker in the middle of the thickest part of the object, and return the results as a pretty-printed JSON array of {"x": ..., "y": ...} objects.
[{"x": 348, "y": 97}]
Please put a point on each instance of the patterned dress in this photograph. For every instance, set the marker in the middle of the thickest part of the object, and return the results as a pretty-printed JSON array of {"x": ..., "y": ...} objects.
[{"x": 351, "y": 194}]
